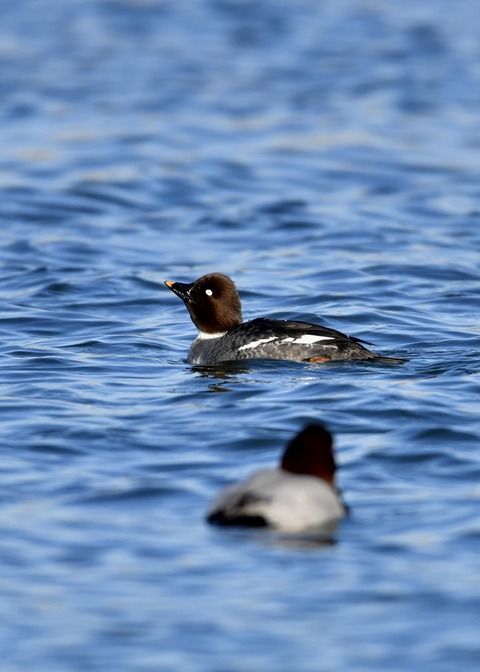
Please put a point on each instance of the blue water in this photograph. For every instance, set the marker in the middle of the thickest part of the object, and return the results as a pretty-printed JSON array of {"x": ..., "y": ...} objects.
[{"x": 326, "y": 156}]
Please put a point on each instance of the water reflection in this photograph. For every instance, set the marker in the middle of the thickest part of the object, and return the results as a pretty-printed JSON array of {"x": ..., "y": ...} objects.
[
  {"x": 315, "y": 539},
  {"x": 226, "y": 371}
]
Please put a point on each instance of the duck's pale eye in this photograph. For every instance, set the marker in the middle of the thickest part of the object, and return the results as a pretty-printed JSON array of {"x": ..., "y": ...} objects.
[{"x": 208, "y": 292}]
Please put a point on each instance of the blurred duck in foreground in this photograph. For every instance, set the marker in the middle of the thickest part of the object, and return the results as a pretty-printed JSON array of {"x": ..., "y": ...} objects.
[{"x": 299, "y": 496}]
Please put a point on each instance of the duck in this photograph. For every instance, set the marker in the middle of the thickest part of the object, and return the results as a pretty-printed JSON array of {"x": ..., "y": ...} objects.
[
  {"x": 299, "y": 496},
  {"x": 215, "y": 309}
]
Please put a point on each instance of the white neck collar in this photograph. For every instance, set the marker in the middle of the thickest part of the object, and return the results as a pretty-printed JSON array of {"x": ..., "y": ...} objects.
[{"x": 203, "y": 336}]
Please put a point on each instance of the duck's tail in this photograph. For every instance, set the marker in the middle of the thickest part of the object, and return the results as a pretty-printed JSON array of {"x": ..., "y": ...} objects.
[{"x": 389, "y": 360}]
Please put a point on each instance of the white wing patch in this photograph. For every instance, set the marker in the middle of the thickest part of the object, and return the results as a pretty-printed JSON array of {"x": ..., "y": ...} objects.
[
  {"x": 305, "y": 339},
  {"x": 255, "y": 344},
  {"x": 309, "y": 339}
]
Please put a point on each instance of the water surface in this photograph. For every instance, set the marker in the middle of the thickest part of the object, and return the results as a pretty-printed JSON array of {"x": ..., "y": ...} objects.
[{"x": 325, "y": 155}]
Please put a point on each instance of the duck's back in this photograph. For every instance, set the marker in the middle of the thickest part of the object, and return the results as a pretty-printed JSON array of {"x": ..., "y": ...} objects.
[{"x": 278, "y": 499}]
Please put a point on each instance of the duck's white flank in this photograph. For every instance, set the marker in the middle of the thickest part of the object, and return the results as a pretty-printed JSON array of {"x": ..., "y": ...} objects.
[{"x": 288, "y": 502}]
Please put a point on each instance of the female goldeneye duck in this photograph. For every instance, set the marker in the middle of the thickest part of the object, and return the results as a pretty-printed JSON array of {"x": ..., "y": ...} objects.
[
  {"x": 299, "y": 496},
  {"x": 214, "y": 306}
]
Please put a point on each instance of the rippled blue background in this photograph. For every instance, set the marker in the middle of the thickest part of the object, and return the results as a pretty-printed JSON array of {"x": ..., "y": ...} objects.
[{"x": 325, "y": 155}]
